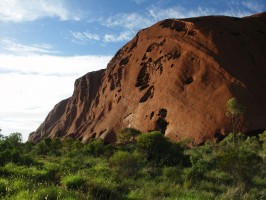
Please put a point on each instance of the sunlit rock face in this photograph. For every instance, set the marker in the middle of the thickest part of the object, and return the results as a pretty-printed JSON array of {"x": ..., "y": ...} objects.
[{"x": 175, "y": 76}]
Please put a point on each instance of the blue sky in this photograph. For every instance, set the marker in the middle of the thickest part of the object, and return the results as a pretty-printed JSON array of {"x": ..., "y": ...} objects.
[{"x": 46, "y": 44}]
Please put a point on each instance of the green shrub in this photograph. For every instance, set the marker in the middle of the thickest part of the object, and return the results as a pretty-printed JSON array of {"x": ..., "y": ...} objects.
[
  {"x": 21, "y": 195},
  {"x": 202, "y": 160},
  {"x": 28, "y": 147},
  {"x": 153, "y": 145},
  {"x": 18, "y": 185},
  {"x": 231, "y": 169},
  {"x": 15, "y": 156},
  {"x": 74, "y": 182},
  {"x": 14, "y": 140},
  {"x": 27, "y": 160},
  {"x": 42, "y": 148},
  {"x": 3, "y": 187},
  {"x": 47, "y": 193},
  {"x": 100, "y": 169},
  {"x": 68, "y": 144},
  {"x": 172, "y": 174},
  {"x": 125, "y": 163},
  {"x": 95, "y": 147},
  {"x": 174, "y": 155},
  {"x": 127, "y": 135},
  {"x": 101, "y": 188},
  {"x": 238, "y": 156},
  {"x": 262, "y": 139},
  {"x": 32, "y": 173}
]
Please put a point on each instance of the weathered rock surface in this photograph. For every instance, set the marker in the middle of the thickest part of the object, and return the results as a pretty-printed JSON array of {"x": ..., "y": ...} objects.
[{"x": 175, "y": 76}]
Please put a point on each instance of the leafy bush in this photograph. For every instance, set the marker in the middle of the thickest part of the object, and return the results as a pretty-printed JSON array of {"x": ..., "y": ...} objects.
[
  {"x": 19, "y": 184},
  {"x": 3, "y": 187},
  {"x": 95, "y": 147},
  {"x": 32, "y": 173},
  {"x": 172, "y": 174},
  {"x": 238, "y": 156},
  {"x": 74, "y": 182},
  {"x": 158, "y": 150},
  {"x": 125, "y": 163},
  {"x": 47, "y": 193},
  {"x": 23, "y": 194},
  {"x": 15, "y": 156},
  {"x": 102, "y": 188},
  {"x": 42, "y": 148},
  {"x": 152, "y": 145},
  {"x": 262, "y": 139},
  {"x": 127, "y": 135},
  {"x": 14, "y": 139},
  {"x": 202, "y": 159}
]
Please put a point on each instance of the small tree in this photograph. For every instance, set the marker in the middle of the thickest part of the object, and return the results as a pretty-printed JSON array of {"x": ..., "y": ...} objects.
[
  {"x": 125, "y": 163},
  {"x": 238, "y": 156},
  {"x": 153, "y": 146},
  {"x": 42, "y": 148},
  {"x": 127, "y": 135},
  {"x": 235, "y": 112},
  {"x": 95, "y": 147},
  {"x": 14, "y": 139}
]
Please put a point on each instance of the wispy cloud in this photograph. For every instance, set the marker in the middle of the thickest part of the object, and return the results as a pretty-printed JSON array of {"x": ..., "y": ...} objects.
[
  {"x": 129, "y": 21},
  {"x": 139, "y": 2},
  {"x": 254, "y": 6},
  {"x": 8, "y": 45},
  {"x": 158, "y": 14},
  {"x": 30, "y": 10},
  {"x": 124, "y": 36},
  {"x": 135, "y": 21},
  {"x": 83, "y": 37}
]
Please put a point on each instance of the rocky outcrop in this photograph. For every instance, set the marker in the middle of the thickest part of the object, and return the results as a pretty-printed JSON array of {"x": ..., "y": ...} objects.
[{"x": 176, "y": 77}]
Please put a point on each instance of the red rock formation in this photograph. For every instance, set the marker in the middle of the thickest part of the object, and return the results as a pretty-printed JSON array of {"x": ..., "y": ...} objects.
[{"x": 175, "y": 76}]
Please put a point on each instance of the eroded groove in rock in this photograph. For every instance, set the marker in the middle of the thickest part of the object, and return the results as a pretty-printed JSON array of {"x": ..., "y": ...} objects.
[
  {"x": 143, "y": 77},
  {"x": 124, "y": 61},
  {"x": 148, "y": 94},
  {"x": 174, "y": 25}
]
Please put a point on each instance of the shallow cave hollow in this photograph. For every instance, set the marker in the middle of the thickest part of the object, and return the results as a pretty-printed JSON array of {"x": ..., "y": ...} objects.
[{"x": 161, "y": 123}]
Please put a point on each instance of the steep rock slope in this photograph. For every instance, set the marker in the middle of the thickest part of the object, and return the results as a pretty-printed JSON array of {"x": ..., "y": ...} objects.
[{"x": 175, "y": 76}]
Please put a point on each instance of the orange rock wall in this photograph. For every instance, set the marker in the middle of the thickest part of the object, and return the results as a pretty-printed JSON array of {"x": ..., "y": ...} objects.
[{"x": 175, "y": 76}]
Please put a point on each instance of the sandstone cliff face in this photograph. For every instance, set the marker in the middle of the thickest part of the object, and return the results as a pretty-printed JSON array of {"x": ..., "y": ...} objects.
[{"x": 176, "y": 77}]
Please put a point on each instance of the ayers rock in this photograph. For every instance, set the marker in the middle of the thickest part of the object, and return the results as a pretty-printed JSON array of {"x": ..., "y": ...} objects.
[{"x": 175, "y": 76}]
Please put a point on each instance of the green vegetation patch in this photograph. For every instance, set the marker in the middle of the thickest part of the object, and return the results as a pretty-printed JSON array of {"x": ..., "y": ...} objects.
[{"x": 139, "y": 166}]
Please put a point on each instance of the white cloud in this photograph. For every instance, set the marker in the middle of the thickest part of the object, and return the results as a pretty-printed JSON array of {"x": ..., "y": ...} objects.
[
  {"x": 139, "y": 2},
  {"x": 159, "y": 14},
  {"x": 32, "y": 85},
  {"x": 135, "y": 21},
  {"x": 11, "y": 46},
  {"x": 30, "y": 10},
  {"x": 83, "y": 37},
  {"x": 46, "y": 65},
  {"x": 179, "y": 12},
  {"x": 127, "y": 35},
  {"x": 254, "y": 6},
  {"x": 130, "y": 21}
]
